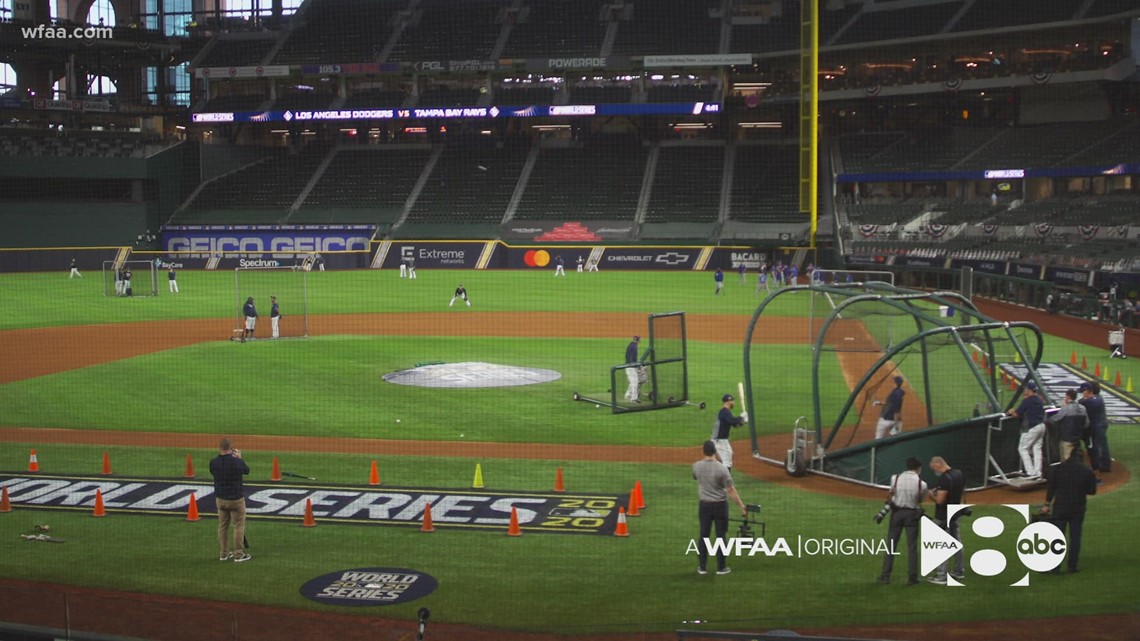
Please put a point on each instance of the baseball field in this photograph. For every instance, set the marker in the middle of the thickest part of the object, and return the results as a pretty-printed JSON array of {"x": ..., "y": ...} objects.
[{"x": 149, "y": 384}]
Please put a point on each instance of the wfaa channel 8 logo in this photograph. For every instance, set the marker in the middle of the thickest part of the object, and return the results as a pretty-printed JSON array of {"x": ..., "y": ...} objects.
[{"x": 1039, "y": 546}]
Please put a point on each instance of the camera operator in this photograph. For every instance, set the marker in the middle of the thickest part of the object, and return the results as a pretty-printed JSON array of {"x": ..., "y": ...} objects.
[
  {"x": 907, "y": 492},
  {"x": 951, "y": 485},
  {"x": 715, "y": 487},
  {"x": 228, "y": 468}
]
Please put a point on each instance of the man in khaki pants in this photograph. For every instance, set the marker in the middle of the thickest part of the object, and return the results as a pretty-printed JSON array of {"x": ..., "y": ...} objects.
[{"x": 228, "y": 470}]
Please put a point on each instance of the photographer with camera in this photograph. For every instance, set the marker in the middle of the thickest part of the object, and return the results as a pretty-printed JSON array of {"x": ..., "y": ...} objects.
[
  {"x": 907, "y": 492},
  {"x": 715, "y": 487},
  {"x": 951, "y": 486},
  {"x": 228, "y": 470}
]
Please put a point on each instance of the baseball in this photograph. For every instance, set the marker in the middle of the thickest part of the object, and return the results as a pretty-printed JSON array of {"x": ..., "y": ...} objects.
[
  {"x": 397, "y": 420},
  {"x": 462, "y": 435},
  {"x": 597, "y": 405}
]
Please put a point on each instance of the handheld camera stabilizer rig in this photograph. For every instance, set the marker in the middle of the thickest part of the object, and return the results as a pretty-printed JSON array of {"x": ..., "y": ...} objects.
[{"x": 746, "y": 523}]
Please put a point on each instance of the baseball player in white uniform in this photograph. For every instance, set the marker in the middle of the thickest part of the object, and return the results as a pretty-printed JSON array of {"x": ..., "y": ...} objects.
[{"x": 461, "y": 294}]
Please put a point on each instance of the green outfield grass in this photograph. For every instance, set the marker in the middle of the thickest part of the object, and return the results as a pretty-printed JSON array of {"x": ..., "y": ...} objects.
[{"x": 329, "y": 387}]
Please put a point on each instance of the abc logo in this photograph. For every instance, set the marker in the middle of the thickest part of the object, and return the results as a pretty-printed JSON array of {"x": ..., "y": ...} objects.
[{"x": 1041, "y": 546}]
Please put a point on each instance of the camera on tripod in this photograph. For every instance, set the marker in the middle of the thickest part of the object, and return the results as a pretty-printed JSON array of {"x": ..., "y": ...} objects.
[{"x": 746, "y": 523}]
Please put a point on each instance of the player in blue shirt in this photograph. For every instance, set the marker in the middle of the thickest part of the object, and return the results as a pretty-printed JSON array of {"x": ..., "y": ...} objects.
[
  {"x": 890, "y": 419},
  {"x": 719, "y": 278},
  {"x": 793, "y": 275},
  {"x": 1100, "y": 459},
  {"x": 274, "y": 316},
  {"x": 172, "y": 278},
  {"x": 559, "y": 266},
  {"x": 250, "y": 313},
  {"x": 1031, "y": 411},
  {"x": 631, "y": 373},
  {"x": 725, "y": 421},
  {"x": 742, "y": 270}
]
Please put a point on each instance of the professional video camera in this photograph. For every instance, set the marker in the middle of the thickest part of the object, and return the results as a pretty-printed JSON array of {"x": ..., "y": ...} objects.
[{"x": 746, "y": 523}]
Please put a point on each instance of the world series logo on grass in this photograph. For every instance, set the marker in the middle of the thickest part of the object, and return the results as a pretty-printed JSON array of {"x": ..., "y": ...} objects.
[{"x": 1040, "y": 546}]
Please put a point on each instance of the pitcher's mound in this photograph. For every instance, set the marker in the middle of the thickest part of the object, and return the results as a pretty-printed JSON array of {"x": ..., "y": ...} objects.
[{"x": 471, "y": 375}]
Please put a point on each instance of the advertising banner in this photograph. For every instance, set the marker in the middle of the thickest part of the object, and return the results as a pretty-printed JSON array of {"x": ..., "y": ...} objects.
[
  {"x": 557, "y": 231},
  {"x": 434, "y": 255},
  {"x": 260, "y": 71},
  {"x": 497, "y": 111},
  {"x": 275, "y": 242},
  {"x": 987, "y": 266},
  {"x": 625, "y": 257},
  {"x": 707, "y": 60},
  {"x": 1069, "y": 276},
  {"x": 1026, "y": 270}
]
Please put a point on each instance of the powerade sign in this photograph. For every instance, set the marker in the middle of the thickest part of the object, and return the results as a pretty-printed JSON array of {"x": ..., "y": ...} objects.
[
  {"x": 394, "y": 506},
  {"x": 457, "y": 255},
  {"x": 279, "y": 244},
  {"x": 369, "y": 586}
]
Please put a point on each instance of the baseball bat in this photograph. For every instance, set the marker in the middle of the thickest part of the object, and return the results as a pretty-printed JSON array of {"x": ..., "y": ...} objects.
[
  {"x": 297, "y": 476},
  {"x": 740, "y": 392}
]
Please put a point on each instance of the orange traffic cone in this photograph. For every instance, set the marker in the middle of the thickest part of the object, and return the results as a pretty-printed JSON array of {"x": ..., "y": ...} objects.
[
  {"x": 622, "y": 528},
  {"x": 1084, "y": 363},
  {"x": 640, "y": 495},
  {"x": 5, "y": 504},
  {"x": 1073, "y": 358},
  {"x": 1012, "y": 384},
  {"x": 975, "y": 357},
  {"x": 633, "y": 509},
  {"x": 559, "y": 486},
  {"x": 1096, "y": 372},
  {"x": 33, "y": 463},
  {"x": 985, "y": 363},
  {"x": 275, "y": 474},
  {"x": 374, "y": 475},
  {"x": 514, "y": 529},
  {"x": 189, "y": 467},
  {"x": 1118, "y": 379},
  {"x": 309, "y": 520},
  {"x": 428, "y": 526},
  {"x": 99, "y": 510},
  {"x": 192, "y": 511},
  {"x": 106, "y": 464}
]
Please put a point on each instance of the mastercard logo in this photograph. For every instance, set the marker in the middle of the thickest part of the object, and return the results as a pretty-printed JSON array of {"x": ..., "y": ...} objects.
[{"x": 537, "y": 258}]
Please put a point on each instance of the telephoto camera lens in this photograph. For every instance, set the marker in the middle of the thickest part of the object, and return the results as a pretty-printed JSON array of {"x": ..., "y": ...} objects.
[{"x": 883, "y": 513}]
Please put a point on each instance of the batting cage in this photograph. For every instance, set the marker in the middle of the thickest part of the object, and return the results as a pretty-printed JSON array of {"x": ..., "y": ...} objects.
[
  {"x": 660, "y": 377},
  {"x": 143, "y": 273},
  {"x": 290, "y": 287},
  {"x": 884, "y": 373}
]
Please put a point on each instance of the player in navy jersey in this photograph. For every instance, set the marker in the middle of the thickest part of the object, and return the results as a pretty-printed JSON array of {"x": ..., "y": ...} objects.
[
  {"x": 274, "y": 316},
  {"x": 725, "y": 421},
  {"x": 631, "y": 373},
  {"x": 719, "y": 278},
  {"x": 250, "y": 313},
  {"x": 890, "y": 419},
  {"x": 461, "y": 294}
]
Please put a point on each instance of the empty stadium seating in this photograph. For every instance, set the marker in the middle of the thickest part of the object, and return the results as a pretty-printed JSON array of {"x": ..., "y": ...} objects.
[
  {"x": 764, "y": 185},
  {"x": 323, "y": 35},
  {"x": 686, "y": 185},
  {"x": 557, "y": 28},
  {"x": 447, "y": 30},
  {"x": 1109, "y": 7},
  {"x": 372, "y": 98},
  {"x": 906, "y": 22},
  {"x": 448, "y": 97},
  {"x": 1007, "y": 13},
  {"x": 237, "y": 52},
  {"x": 600, "y": 181},
  {"x": 669, "y": 27},
  {"x": 364, "y": 184},
  {"x": 470, "y": 183},
  {"x": 682, "y": 93},
  {"x": 38, "y": 142},
  {"x": 262, "y": 193},
  {"x": 526, "y": 95}
]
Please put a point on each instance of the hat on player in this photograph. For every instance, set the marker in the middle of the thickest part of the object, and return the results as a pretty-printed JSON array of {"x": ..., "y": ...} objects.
[
  {"x": 636, "y": 338},
  {"x": 898, "y": 380},
  {"x": 726, "y": 398},
  {"x": 1031, "y": 386},
  {"x": 1085, "y": 387}
]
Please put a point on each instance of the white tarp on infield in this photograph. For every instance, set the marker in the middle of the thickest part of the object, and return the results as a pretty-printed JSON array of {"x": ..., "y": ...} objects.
[{"x": 471, "y": 375}]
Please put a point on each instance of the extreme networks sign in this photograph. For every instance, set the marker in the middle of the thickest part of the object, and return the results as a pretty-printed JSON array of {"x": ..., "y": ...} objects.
[
  {"x": 466, "y": 509},
  {"x": 443, "y": 255},
  {"x": 274, "y": 242}
]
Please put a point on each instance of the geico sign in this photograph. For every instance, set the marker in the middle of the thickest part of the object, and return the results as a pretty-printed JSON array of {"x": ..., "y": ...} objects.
[{"x": 256, "y": 244}]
